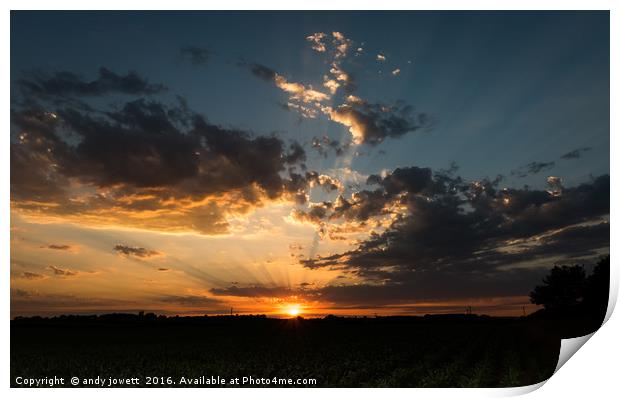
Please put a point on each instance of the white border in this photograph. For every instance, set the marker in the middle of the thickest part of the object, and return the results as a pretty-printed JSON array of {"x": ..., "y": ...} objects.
[{"x": 593, "y": 369}]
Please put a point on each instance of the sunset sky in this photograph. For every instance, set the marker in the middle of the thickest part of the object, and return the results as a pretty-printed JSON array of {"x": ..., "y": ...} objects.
[{"x": 341, "y": 162}]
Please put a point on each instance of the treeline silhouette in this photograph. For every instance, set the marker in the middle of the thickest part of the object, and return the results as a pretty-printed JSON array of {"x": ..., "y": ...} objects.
[
  {"x": 154, "y": 319},
  {"x": 566, "y": 291}
]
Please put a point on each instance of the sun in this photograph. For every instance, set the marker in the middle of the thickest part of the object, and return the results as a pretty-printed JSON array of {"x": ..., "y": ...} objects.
[{"x": 293, "y": 310}]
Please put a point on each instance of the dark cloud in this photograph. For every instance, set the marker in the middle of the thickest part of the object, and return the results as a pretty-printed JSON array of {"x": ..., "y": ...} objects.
[
  {"x": 575, "y": 154},
  {"x": 450, "y": 230},
  {"x": 405, "y": 289},
  {"x": 133, "y": 251},
  {"x": 296, "y": 154},
  {"x": 196, "y": 55},
  {"x": 409, "y": 179},
  {"x": 372, "y": 123},
  {"x": 148, "y": 157},
  {"x": 431, "y": 286},
  {"x": 62, "y": 271},
  {"x": 139, "y": 145},
  {"x": 532, "y": 168},
  {"x": 238, "y": 160},
  {"x": 365, "y": 204},
  {"x": 59, "y": 247},
  {"x": 62, "y": 84},
  {"x": 324, "y": 145},
  {"x": 261, "y": 71},
  {"x": 28, "y": 275}
]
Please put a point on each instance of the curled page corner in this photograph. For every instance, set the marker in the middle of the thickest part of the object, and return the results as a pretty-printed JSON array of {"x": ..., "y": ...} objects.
[
  {"x": 523, "y": 390},
  {"x": 569, "y": 347}
]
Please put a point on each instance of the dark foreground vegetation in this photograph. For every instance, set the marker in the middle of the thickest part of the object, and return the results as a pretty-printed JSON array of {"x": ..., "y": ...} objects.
[{"x": 431, "y": 351}]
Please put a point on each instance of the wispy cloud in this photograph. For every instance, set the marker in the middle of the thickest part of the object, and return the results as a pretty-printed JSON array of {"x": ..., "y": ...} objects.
[
  {"x": 532, "y": 168},
  {"x": 134, "y": 251},
  {"x": 61, "y": 271},
  {"x": 368, "y": 123},
  {"x": 575, "y": 154}
]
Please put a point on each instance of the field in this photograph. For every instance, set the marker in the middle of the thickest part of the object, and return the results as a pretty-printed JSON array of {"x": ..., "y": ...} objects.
[{"x": 453, "y": 351}]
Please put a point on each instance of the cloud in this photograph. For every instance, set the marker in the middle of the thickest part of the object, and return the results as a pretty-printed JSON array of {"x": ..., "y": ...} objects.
[
  {"x": 366, "y": 204},
  {"x": 372, "y": 123},
  {"x": 62, "y": 271},
  {"x": 537, "y": 167},
  {"x": 348, "y": 177},
  {"x": 317, "y": 42},
  {"x": 328, "y": 183},
  {"x": 300, "y": 92},
  {"x": 427, "y": 292},
  {"x": 261, "y": 71},
  {"x": 147, "y": 165},
  {"x": 196, "y": 55},
  {"x": 28, "y": 275},
  {"x": 316, "y": 213},
  {"x": 532, "y": 168},
  {"x": 133, "y": 251},
  {"x": 331, "y": 84},
  {"x": 324, "y": 145},
  {"x": 62, "y": 247},
  {"x": 575, "y": 154},
  {"x": 307, "y": 112},
  {"x": 368, "y": 123},
  {"x": 555, "y": 186},
  {"x": 446, "y": 239},
  {"x": 341, "y": 45},
  {"x": 496, "y": 228},
  {"x": 64, "y": 83}
]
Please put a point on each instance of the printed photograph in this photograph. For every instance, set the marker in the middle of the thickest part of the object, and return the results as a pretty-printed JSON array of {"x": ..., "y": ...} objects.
[{"x": 306, "y": 198}]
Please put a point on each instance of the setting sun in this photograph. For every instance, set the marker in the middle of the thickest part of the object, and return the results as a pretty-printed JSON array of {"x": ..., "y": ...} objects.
[{"x": 293, "y": 310}]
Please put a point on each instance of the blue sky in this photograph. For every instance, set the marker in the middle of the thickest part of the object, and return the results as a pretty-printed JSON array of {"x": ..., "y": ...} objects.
[{"x": 506, "y": 89}]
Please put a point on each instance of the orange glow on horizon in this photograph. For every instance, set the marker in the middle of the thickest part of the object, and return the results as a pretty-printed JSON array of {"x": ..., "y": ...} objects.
[{"x": 293, "y": 310}]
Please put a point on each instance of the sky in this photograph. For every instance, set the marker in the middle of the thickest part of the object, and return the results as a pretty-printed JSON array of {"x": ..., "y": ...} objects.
[{"x": 350, "y": 163}]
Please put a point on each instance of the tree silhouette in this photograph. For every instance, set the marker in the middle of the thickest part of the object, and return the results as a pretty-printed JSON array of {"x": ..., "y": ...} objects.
[
  {"x": 567, "y": 290},
  {"x": 596, "y": 295},
  {"x": 562, "y": 288}
]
